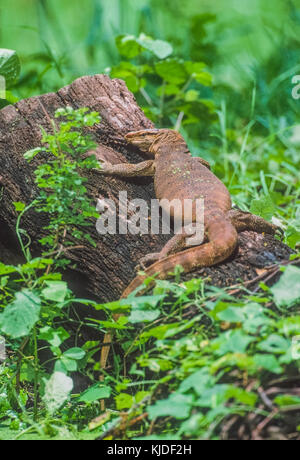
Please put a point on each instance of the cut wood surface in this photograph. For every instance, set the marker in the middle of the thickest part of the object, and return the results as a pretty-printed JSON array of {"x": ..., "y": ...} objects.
[{"x": 107, "y": 269}]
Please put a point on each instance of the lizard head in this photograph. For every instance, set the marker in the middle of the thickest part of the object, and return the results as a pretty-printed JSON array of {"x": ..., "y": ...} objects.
[
  {"x": 143, "y": 139},
  {"x": 156, "y": 141}
]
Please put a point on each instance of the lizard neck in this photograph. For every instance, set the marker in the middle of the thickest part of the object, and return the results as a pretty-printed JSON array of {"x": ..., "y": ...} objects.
[{"x": 165, "y": 146}]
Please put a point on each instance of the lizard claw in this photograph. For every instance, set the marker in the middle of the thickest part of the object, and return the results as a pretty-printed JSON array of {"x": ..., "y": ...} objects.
[
  {"x": 103, "y": 167},
  {"x": 147, "y": 260},
  {"x": 141, "y": 266},
  {"x": 279, "y": 232}
]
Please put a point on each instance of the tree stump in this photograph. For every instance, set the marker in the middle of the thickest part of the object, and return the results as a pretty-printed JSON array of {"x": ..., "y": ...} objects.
[{"x": 107, "y": 269}]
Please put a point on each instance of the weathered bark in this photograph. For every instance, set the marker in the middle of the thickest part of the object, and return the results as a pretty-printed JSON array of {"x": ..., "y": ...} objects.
[{"x": 108, "y": 268}]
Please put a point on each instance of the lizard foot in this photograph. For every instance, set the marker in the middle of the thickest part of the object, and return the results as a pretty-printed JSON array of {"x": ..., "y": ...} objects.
[
  {"x": 104, "y": 167},
  {"x": 279, "y": 232},
  {"x": 247, "y": 221},
  {"x": 147, "y": 260}
]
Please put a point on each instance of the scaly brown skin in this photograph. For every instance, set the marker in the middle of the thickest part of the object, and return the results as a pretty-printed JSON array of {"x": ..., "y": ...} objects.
[{"x": 178, "y": 175}]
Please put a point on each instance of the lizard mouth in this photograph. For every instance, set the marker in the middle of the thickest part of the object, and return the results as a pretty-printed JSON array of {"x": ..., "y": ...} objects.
[
  {"x": 140, "y": 135},
  {"x": 142, "y": 139}
]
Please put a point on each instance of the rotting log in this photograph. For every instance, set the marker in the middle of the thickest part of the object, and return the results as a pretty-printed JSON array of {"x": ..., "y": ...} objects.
[{"x": 107, "y": 269}]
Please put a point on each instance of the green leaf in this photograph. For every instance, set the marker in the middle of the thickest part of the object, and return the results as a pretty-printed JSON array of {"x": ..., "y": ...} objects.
[
  {"x": 140, "y": 395},
  {"x": 167, "y": 330},
  {"x": 20, "y": 316},
  {"x": 94, "y": 393},
  {"x": 54, "y": 337},
  {"x": 196, "y": 71},
  {"x": 160, "y": 48},
  {"x": 168, "y": 90},
  {"x": 214, "y": 396},
  {"x": 216, "y": 307},
  {"x": 263, "y": 207},
  {"x": 232, "y": 315},
  {"x": 11, "y": 98},
  {"x": 232, "y": 342},
  {"x": 198, "y": 381},
  {"x": 287, "y": 400},
  {"x": 3, "y": 281},
  {"x": 156, "y": 364},
  {"x": 191, "y": 95},
  {"x": 143, "y": 308},
  {"x": 119, "y": 324},
  {"x": 242, "y": 396},
  {"x": 292, "y": 235},
  {"x": 56, "y": 291},
  {"x": 7, "y": 269},
  {"x": 65, "y": 365},
  {"x": 30, "y": 154},
  {"x": 57, "y": 391},
  {"x": 268, "y": 362},
  {"x": 27, "y": 372},
  {"x": 124, "y": 401},
  {"x": 151, "y": 301},
  {"x": 204, "y": 78},
  {"x": 241, "y": 360},
  {"x": 128, "y": 46},
  {"x": 75, "y": 353},
  {"x": 19, "y": 207},
  {"x": 177, "y": 406},
  {"x": 38, "y": 264},
  {"x": 128, "y": 72},
  {"x": 141, "y": 315},
  {"x": 255, "y": 319},
  {"x": 172, "y": 71},
  {"x": 60, "y": 367},
  {"x": 116, "y": 306},
  {"x": 287, "y": 290},
  {"x": 9, "y": 66},
  {"x": 289, "y": 326},
  {"x": 274, "y": 344}
]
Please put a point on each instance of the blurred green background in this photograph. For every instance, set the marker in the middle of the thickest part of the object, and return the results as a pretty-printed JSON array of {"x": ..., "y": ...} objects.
[
  {"x": 244, "y": 121},
  {"x": 242, "y": 41}
]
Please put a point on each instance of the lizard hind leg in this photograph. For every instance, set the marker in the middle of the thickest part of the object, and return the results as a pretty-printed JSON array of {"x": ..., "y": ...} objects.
[
  {"x": 246, "y": 221},
  {"x": 222, "y": 241},
  {"x": 177, "y": 243}
]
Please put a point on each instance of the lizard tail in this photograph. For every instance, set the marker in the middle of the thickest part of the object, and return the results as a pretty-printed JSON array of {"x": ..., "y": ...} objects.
[{"x": 222, "y": 237}]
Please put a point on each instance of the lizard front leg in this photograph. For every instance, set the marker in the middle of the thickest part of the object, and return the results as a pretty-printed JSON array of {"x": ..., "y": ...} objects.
[{"x": 145, "y": 168}]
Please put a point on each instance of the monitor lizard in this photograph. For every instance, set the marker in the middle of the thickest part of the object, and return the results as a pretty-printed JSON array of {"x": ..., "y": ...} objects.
[{"x": 178, "y": 175}]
